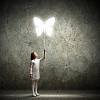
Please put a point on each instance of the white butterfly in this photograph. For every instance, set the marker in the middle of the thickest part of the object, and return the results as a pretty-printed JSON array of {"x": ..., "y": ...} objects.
[{"x": 46, "y": 27}]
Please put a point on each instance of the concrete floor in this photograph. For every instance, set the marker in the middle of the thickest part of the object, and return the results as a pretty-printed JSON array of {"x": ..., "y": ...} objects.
[{"x": 49, "y": 95}]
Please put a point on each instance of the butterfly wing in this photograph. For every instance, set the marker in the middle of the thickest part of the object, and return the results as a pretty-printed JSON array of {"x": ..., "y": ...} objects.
[
  {"x": 39, "y": 25},
  {"x": 49, "y": 25}
]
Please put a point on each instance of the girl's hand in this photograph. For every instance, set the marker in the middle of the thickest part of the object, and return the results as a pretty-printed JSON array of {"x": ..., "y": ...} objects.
[
  {"x": 44, "y": 53},
  {"x": 30, "y": 76},
  {"x": 44, "y": 50}
]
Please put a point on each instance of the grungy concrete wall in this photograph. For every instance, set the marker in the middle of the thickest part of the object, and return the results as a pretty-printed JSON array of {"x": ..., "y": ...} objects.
[{"x": 73, "y": 50}]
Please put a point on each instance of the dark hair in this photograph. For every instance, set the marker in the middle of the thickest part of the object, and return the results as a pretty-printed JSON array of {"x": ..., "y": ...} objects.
[{"x": 32, "y": 56}]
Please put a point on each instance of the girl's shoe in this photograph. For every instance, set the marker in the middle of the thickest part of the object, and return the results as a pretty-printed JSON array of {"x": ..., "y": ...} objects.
[
  {"x": 37, "y": 94},
  {"x": 33, "y": 95}
]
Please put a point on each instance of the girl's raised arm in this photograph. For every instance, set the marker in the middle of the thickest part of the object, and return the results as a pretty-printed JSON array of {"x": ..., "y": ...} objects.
[{"x": 44, "y": 55}]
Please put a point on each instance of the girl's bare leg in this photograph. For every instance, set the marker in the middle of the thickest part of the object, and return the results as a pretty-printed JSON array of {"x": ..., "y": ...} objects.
[
  {"x": 33, "y": 88},
  {"x": 36, "y": 87}
]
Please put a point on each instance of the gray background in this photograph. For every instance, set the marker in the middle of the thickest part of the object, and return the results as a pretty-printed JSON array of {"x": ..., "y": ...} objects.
[{"x": 73, "y": 50}]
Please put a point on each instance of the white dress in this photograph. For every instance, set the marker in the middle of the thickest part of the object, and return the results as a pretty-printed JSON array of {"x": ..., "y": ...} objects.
[{"x": 34, "y": 69}]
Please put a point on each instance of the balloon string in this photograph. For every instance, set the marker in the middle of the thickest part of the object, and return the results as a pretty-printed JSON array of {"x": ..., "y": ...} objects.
[
  {"x": 44, "y": 40},
  {"x": 44, "y": 48}
]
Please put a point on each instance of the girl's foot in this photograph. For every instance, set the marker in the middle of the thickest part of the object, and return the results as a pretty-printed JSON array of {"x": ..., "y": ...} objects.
[
  {"x": 37, "y": 94},
  {"x": 33, "y": 95}
]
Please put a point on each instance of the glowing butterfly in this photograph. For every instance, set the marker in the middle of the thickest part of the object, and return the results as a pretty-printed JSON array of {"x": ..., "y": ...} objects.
[{"x": 46, "y": 27}]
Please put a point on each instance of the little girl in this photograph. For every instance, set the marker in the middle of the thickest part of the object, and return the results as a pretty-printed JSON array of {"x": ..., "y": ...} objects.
[{"x": 34, "y": 71}]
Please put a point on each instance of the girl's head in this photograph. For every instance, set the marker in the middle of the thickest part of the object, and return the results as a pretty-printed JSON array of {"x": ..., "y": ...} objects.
[{"x": 34, "y": 55}]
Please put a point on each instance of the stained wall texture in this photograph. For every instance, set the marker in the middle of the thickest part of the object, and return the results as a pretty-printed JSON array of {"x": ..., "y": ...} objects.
[{"x": 72, "y": 52}]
